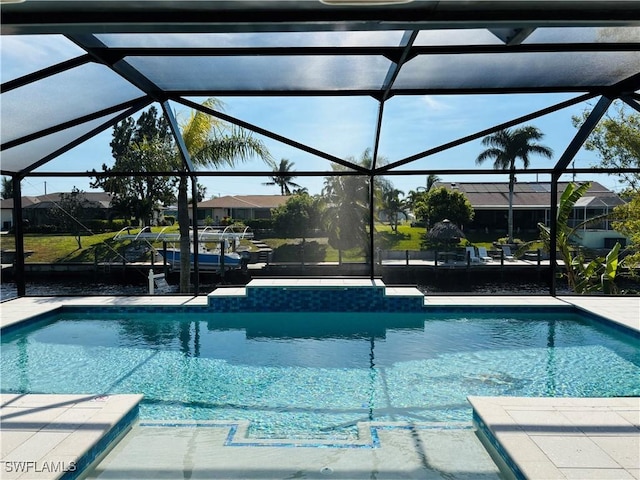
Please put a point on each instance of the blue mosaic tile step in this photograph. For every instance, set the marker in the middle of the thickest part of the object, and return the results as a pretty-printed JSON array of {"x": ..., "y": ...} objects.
[{"x": 313, "y": 299}]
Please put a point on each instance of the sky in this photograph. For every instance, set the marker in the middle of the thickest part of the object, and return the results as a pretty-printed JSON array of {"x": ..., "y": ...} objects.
[{"x": 341, "y": 126}]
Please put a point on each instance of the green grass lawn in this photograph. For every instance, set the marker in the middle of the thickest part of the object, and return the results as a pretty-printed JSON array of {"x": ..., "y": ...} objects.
[{"x": 64, "y": 248}]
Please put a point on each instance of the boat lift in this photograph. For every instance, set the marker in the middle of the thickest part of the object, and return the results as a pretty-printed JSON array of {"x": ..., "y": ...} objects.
[
  {"x": 208, "y": 234},
  {"x": 223, "y": 237}
]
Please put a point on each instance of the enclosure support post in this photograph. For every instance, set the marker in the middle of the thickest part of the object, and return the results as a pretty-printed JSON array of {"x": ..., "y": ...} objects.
[
  {"x": 18, "y": 265},
  {"x": 196, "y": 263},
  {"x": 553, "y": 232},
  {"x": 371, "y": 228}
]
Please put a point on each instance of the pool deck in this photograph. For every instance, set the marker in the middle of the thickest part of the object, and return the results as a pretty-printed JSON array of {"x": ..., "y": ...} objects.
[
  {"x": 543, "y": 438},
  {"x": 58, "y": 436}
]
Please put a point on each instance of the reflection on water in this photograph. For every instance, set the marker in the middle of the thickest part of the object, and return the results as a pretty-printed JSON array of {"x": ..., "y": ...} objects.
[{"x": 72, "y": 287}]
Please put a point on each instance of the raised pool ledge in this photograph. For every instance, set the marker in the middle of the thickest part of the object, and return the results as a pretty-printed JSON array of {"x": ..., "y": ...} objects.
[
  {"x": 316, "y": 295},
  {"x": 60, "y": 436},
  {"x": 560, "y": 438}
]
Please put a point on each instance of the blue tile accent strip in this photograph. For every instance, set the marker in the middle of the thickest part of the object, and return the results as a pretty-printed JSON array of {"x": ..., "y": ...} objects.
[
  {"x": 283, "y": 299},
  {"x": 493, "y": 441},
  {"x": 231, "y": 441},
  {"x": 316, "y": 299},
  {"x": 102, "y": 445}
]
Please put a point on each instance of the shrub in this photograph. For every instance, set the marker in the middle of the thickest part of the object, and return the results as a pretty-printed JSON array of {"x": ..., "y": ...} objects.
[{"x": 260, "y": 223}]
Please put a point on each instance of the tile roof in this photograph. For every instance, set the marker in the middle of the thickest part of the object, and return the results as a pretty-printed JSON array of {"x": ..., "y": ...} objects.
[
  {"x": 526, "y": 194},
  {"x": 245, "y": 201}
]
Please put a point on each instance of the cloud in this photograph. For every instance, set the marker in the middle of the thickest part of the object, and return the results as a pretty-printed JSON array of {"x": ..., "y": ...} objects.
[
  {"x": 23, "y": 54},
  {"x": 436, "y": 105}
]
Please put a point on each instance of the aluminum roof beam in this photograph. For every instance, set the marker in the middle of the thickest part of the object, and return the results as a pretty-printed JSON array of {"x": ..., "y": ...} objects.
[{"x": 37, "y": 16}]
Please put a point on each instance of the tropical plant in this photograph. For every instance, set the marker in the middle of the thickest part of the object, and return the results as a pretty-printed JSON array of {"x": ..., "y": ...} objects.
[
  {"x": 432, "y": 180},
  {"x": 393, "y": 206},
  {"x": 505, "y": 147},
  {"x": 6, "y": 188},
  {"x": 582, "y": 277},
  {"x": 282, "y": 176},
  {"x": 210, "y": 142},
  {"x": 346, "y": 209}
]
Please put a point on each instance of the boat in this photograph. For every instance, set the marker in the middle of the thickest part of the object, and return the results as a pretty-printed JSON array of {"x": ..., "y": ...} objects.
[{"x": 208, "y": 260}]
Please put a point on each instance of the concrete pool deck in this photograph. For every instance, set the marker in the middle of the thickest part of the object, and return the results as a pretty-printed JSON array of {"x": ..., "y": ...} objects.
[
  {"x": 544, "y": 438},
  {"x": 59, "y": 436}
]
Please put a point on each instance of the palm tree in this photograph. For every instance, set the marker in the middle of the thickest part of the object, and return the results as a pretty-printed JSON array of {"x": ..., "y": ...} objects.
[
  {"x": 6, "y": 191},
  {"x": 282, "y": 176},
  {"x": 347, "y": 207},
  {"x": 505, "y": 147},
  {"x": 431, "y": 180},
  {"x": 393, "y": 206},
  {"x": 210, "y": 142}
]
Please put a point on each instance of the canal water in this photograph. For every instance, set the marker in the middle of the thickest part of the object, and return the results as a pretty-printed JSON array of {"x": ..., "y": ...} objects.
[{"x": 75, "y": 287}]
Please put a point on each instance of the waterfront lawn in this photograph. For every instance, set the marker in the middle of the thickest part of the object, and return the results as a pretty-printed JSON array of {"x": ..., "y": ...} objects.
[
  {"x": 57, "y": 248},
  {"x": 53, "y": 248}
]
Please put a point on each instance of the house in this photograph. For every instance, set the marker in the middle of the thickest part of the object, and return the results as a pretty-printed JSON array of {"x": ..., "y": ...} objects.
[
  {"x": 6, "y": 214},
  {"x": 36, "y": 210},
  {"x": 531, "y": 205},
  {"x": 239, "y": 207}
]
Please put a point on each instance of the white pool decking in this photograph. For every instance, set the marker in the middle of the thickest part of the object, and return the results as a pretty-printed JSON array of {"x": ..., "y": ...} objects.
[
  {"x": 546, "y": 438},
  {"x": 48, "y": 436}
]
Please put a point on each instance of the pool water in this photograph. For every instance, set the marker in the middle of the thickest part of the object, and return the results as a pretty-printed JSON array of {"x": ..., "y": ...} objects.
[{"x": 317, "y": 375}]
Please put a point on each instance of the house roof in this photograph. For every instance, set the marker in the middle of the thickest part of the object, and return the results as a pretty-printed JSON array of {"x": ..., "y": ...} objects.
[
  {"x": 245, "y": 201},
  {"x": 45, "y": 201},
  {"x": 527, "y": 195}
]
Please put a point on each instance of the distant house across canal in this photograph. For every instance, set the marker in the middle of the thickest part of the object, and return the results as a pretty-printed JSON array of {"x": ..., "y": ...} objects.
[{"x": 531, "y": 205}]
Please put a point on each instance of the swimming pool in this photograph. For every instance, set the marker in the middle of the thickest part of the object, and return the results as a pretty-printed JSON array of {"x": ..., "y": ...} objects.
[{"x": 316, "y": 375}]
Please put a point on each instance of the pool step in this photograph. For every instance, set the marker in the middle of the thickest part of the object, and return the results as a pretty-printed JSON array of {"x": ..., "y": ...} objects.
[{"x": 316, "y": 295}]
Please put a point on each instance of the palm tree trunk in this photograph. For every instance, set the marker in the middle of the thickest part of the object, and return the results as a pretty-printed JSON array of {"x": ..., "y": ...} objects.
[{"x": 185, "y": 237}]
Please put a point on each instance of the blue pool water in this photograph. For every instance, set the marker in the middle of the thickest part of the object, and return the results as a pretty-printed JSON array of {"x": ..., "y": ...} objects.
[{"x": 316, "y": 375}]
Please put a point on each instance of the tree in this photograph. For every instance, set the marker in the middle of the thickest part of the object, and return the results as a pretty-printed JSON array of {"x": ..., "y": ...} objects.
[
  {"x": 432, "y": 180},
  {"x": 441, "y": 203},
  {"x": 346, "y": 210},
  {"x": 393, "y": 206},
  {"x": 201, "y": 193},
  {"x": 582, "y": 276},
  {"x": 505, "y": 147},
  {"x": 616, "y": 139},
  {"x": 627, "y": 222},
  {"x": 414, "y": 197},
  {"x": 7, "y": 188},
  {"x": 70, "y": 212},
  {"x": 282, "y": 176},
  {"x": 297, "y": 217},
  {"x": 212, "y": 143},
  {"x": 143, "y": 146}
]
